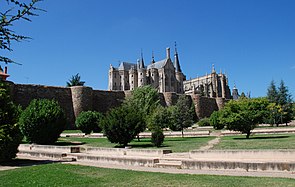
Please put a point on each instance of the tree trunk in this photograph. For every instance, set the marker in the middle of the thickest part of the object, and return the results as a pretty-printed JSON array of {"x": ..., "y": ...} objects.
[
  {"x": 138, "y": 139},
  {"x": 248, "y": 135},
  {"x": 182, "y": 133}
]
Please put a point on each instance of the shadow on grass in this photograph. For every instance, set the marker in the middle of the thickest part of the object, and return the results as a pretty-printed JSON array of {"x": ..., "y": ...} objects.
[
  {"x": 69, "y": 143},
  {"x": 262, "y": 138},
  {"x": 26, "y": 162},
  {"x": 177, "y": 139}
]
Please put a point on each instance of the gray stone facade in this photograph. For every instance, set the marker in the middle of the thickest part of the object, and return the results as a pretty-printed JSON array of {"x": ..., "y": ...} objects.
[
  {"x": 164, "y": 75},
  {"x": 212, "y": 85}
]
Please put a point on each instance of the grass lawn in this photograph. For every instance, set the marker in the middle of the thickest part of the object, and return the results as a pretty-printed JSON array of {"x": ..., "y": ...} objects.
[
  {"x": 72, "y": 131},
  {"x": 74, "y": 175},
  {"x": 269, "y": 141},
  {"x": 176, "y": 144}
]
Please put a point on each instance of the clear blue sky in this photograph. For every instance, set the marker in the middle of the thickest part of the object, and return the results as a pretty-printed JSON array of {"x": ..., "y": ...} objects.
[{"x": 253, "y": 40}]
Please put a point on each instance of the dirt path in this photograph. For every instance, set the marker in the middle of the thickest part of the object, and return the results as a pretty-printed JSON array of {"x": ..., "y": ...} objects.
[{"x": 211, "y": 143}]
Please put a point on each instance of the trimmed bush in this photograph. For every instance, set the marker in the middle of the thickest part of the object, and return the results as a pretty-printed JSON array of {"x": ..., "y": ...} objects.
[
  {"x": 88, "y": 121},
  {"x": 157, "y": 137},
  {"x": 10, "y": 135},
  {"x": 204, "y": 122},
  {"x": 122, "y": 124},
  {"x": 215, "y": 120},
  {"x": 42, "y": 121}
]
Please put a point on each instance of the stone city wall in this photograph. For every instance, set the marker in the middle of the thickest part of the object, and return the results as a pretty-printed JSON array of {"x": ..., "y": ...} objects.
[{"x": 76, "y": 99}]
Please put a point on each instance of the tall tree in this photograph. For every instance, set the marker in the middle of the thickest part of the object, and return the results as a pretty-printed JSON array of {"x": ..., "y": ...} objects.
[
  {"x": 272, "y": 93},
  {"x": 182, "y": 114},
  {"x": 285, "y": 100},
  {"x": 16, "y": 10},
  {"x": 75, "y": 80},
  {"x": 145, "y": 99}
]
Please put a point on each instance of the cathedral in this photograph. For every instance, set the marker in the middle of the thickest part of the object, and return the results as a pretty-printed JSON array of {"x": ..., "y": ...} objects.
[
  {"x": 164, "y": 75},
  {"x": 211, "y": 85}
]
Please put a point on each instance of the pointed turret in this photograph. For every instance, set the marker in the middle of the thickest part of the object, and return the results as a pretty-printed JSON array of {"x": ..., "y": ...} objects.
[
  {"x": 213, "y": 69},
  {"x": 176, "y": 61},
  {"x": 141, "y": 63},
  {"x": 153, "y": 58}
]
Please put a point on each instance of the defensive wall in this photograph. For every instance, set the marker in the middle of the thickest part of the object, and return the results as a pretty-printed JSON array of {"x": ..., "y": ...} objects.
[{"x": 76, "y": 99}]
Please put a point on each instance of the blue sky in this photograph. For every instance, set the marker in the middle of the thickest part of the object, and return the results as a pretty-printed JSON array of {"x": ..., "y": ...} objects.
[{"x": 253, "y": 40}]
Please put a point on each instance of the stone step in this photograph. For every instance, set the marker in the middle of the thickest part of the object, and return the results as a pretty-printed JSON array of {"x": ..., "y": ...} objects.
[
  {"x": 175, "y": 164},
  {"x": 63, "y": 157}
]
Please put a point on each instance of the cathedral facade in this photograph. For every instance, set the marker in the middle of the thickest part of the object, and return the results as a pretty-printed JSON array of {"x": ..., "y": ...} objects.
[
  {"x": 164, "y": 75},
  {"x": 211, "y": 85}
]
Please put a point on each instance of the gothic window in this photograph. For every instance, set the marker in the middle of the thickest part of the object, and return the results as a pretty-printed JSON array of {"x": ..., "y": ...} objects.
[
  {"x": 140, "y": 73},
  {"x": 131, "y": 75},
  {"x": 115, "y": 75},
  {"x": 131, "y": 82}
]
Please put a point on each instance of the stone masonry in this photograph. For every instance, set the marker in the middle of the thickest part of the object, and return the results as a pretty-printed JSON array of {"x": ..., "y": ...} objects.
[{"x": 76, "y": 99}]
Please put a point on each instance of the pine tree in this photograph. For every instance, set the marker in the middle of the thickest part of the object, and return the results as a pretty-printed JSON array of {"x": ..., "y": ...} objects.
[
  {"x": 272, "y": 93},
  {"x": 284, "y": 99}
]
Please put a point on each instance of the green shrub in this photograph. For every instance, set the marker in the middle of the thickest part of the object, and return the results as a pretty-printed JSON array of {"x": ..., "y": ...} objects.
[
  {"x": 157, "y": 137},
  {"x": 10, "y": 135},
  {"x": 215, "y": 120},
  {"x": 42, "y": 121},
  {"x": 88, "y": 121},
  {"x": 204, "y": 122},
  {"x": 122, "y": 124}
]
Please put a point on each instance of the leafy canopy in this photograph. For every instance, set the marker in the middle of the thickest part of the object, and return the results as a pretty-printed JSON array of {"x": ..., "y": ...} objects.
[{"x": 15, "y": 10}]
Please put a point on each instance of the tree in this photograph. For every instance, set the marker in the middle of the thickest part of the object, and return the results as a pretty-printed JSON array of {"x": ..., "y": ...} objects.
[
  {"x": 88, "y": 121},
  {"x": 284, "y": 99},
  {"x": 145, "y": 100},
  {"x": 42, "y": 121},
  {"x": 215, "y": 120},
  {"x": 10, "y": 135},
  {"x": 182, "y": 115},
  {"x": 120, "y": 125},
  {"x": 281, "y": 110},
  {"x": 160, "y": 118},
  {"x": 243, "y": 115},
  {"x": 275, "y": 114},
  {"x": 75, "y": 80},
  {"x": 272, "y": 93},
  {"x": 16, "y": 10}
]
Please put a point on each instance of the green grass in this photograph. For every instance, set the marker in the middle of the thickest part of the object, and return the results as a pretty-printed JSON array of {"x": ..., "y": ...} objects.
[
  {"x": 72, "y": 131},
  {"x": 73, "y": 175},
  {"x": 273, "y": 141},
  {"x": 176, "y": 144}
]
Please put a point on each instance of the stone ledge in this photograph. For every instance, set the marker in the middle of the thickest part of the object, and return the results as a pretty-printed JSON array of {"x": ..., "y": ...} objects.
[
  {"x": 240, "y": 166},
  {"x": 51, "y": 148},
  {"x": 244, "y": 155}
]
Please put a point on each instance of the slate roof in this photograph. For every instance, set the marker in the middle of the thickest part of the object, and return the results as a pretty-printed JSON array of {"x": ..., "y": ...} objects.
[
  {"x": 157, "y": 65},
  {"x": 127, "y": 66}
]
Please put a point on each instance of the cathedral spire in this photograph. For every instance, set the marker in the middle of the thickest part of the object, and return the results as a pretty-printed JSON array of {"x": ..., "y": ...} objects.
[
  {"x": 153, "y": 58},
  {"x": 176, "y": 60},
  {"x": 213, "y": 69},
  {"x": 141, "y": 64}
]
